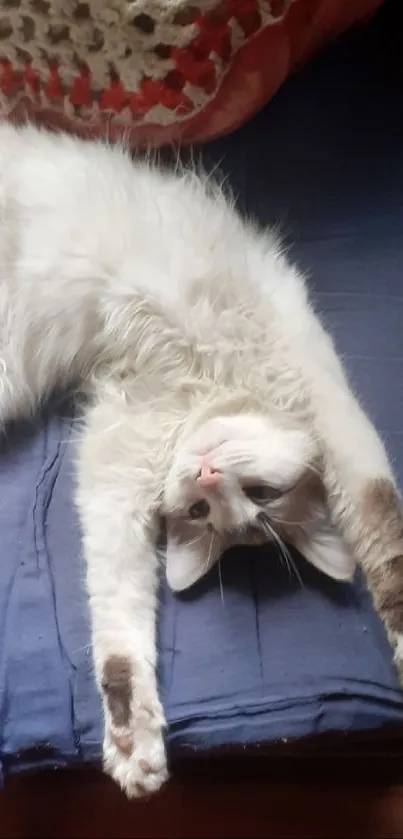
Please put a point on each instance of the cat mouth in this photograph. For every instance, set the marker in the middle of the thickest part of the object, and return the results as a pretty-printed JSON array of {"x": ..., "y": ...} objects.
[{"x": 253, "y": 535}]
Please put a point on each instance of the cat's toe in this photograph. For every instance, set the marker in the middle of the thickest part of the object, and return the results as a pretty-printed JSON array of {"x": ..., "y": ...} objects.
[
  {"x": 138, "y": 775},
  {"x": 136, "y": 761}
]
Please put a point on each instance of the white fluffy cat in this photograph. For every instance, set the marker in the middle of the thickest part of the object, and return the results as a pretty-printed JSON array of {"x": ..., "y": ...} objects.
[{"x": 215, "y": 400}]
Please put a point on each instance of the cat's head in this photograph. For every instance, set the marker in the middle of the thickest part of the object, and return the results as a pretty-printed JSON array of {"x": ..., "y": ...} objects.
[{"x": 244, "y": 479}]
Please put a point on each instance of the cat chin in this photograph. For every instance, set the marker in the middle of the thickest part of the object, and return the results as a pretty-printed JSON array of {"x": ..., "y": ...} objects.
[{"x": 187, "y": 560}]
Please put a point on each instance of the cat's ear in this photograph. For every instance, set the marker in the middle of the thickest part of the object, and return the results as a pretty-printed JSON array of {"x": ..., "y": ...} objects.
[
  {"x": 325, "y": 549},
  {"x": 189, "y": 554},
  {"x": 318, "y": 540}
]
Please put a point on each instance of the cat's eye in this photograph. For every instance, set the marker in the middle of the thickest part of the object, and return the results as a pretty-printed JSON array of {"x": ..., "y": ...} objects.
[
  {"x": 199, "y": 510},
  {"x": 261, "y": 493}
]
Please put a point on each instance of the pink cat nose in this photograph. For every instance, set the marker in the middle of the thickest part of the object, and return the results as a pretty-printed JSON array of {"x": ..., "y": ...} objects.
[{"x": 208, "y": 476}]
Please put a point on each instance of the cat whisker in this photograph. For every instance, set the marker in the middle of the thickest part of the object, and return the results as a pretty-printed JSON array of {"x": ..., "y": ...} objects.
[
  {"x": 210, "y": 550},
  {"x": 310, "y": 467},
  {"x": 196, "y": 540},
  {"x": 295, "y": 569},
  {"x": 221, "y": 583},
  {"x": 284, "y": 552},
  {"x": 292, "y": 564},
  {"x": 285, "y": 522}
]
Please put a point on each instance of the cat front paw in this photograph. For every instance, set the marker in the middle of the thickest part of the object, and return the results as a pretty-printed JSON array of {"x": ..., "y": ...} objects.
[
  {"x": 141, "y": 771},
  {"x": 134, "y": 748}
]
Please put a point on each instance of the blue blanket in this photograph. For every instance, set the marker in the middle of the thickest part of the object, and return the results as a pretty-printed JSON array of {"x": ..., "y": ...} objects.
[{"x": 272, "y": 660}]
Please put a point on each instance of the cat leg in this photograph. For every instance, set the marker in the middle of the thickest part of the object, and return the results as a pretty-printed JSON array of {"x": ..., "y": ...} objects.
[
  {"x": 363, "y": 499},
  {"x": 114, "y": 492},
  {"x": 16, "y": 399}
]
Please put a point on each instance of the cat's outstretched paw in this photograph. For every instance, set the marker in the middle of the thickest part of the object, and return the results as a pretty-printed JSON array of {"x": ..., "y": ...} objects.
[
  {"x": 134, "y": 750},
  {"x": 141, "y": 771}
]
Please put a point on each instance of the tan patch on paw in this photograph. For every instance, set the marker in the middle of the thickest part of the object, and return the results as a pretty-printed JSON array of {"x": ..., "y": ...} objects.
[
  {"x": 387, "y": 588},
  {"x": 117, "y": 686},
  {"x": 383, "y": 515},
  {"x": 382, "y": 508}
]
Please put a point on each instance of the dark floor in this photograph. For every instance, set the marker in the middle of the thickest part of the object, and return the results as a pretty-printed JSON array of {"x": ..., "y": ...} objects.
[{"x": 84, "y": 804}]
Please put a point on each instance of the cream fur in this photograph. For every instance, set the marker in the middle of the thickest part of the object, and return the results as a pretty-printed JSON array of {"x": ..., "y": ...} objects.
[{"x": 190, "y": 332}]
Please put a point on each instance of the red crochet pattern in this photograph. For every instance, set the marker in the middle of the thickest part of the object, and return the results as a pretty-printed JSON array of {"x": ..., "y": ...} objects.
[{"x": 153, "y": 65}]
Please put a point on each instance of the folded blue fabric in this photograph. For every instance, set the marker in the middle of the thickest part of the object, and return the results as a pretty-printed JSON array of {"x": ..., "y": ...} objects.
[{"x": 268, "y": 659}]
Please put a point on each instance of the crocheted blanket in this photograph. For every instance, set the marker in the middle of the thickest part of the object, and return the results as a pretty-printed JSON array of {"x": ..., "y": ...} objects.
[{"x": 156, "y": 70}]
